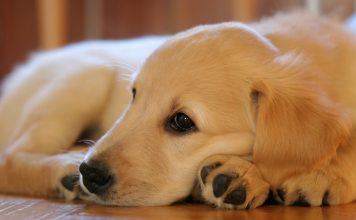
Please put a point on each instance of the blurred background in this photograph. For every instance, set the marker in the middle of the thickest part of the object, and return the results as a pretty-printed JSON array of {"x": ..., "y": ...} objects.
[{"x": 28, "y": 26}]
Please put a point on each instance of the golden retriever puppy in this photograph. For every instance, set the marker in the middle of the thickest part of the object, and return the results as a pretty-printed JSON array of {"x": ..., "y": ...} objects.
[{"x": 226, "y": 112}]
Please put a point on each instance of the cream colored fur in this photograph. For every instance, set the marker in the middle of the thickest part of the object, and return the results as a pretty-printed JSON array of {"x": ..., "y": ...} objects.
[{"x": 273, "y": 102}]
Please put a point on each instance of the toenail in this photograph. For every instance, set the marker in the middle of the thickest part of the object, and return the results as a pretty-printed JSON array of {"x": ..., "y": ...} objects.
[
  {"x": 325, "y": 201},
  {"x": 281, "y": 193}
]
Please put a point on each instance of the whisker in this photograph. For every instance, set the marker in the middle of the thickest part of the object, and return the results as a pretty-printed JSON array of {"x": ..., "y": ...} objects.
[
  {"x": 87, "y": 142},
  {"x": 127, "y": 74},
  {"x": 126, "y": 66}
]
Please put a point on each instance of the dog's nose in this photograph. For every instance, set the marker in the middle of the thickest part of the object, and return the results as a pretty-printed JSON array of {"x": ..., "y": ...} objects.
[{"x": 95, "y": 178}]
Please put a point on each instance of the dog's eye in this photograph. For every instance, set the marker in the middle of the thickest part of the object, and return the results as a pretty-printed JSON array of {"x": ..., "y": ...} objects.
[{"x": 180, "y": 122}]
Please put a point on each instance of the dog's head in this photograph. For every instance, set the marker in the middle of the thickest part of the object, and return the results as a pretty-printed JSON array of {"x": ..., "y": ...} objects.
[{"x": 217, "y": 89}]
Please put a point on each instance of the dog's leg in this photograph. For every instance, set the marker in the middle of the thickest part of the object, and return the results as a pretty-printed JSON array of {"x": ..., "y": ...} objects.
[
  {"x": 228, "y": 181},
  {"x": 41, "y": 175},
  {"x": 34, "y": 162},
  {"x": 331, "y": 183},
  {"x": 54, "y": 116}
]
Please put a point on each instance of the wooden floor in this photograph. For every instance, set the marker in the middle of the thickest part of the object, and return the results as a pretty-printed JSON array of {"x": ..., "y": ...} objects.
[{"x": 12, "y": 207}]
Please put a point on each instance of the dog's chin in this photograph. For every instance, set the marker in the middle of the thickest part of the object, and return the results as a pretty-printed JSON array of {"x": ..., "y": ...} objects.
[
  {"x": 111, "y": 198},
  {"x": 92, "y": 198}
]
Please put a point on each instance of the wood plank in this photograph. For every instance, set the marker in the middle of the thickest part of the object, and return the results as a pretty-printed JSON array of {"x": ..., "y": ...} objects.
[{"x": 14, "y": 207}]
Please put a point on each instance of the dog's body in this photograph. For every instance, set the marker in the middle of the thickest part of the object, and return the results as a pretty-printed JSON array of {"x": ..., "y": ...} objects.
[{"x": 246, "y": 109}]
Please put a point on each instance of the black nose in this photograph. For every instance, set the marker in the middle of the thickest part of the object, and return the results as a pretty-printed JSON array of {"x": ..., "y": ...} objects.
[{"x": 95, "y": 178}]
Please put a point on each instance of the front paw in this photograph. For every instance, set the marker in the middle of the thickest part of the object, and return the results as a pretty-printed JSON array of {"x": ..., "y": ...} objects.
[
  {"x": 231, "y": 182},
  {"x": 66, "y": 176},
  {"x": 316, "y": 188}
]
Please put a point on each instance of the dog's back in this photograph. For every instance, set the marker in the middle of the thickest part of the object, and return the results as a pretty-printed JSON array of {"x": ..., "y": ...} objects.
[{"x": 31, "y": 79}]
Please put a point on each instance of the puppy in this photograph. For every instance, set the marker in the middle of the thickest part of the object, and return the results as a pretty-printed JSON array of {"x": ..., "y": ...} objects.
[{"x": 227, "y": 112}]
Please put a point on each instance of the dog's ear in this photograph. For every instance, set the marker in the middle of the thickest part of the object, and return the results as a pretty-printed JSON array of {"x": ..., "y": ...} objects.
[{"x": 297, "y": 124}]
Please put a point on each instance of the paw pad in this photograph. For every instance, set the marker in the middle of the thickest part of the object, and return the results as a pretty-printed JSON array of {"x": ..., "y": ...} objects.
[
  {"x": 301, "y": 201},
  {"x": 236, "y": 197},
  {"x": 230, "y": 182},
  {"x": 205, "y": 171},
  {"x": 70, "y": 181},
  {"x": 220, "y": 184}
]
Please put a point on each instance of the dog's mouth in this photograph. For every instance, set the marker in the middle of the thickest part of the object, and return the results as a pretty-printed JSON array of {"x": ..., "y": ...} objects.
[{"x": 111, "y": 198}]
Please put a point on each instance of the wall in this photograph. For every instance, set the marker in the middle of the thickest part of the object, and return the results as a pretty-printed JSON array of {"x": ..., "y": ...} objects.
[{"x": 116, "y": 19}]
